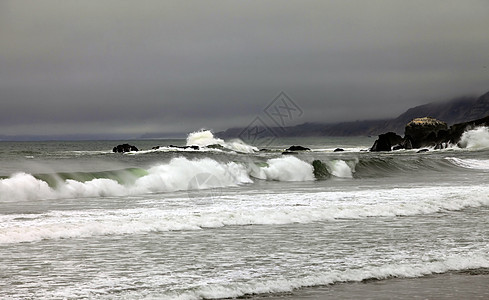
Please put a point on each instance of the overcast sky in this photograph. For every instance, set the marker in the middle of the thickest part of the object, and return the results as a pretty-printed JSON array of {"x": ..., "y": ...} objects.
[{"x": 135, "y": 67}]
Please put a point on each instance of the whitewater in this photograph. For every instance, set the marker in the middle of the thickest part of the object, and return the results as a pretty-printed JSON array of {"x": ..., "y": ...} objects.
[{"x": 225, "y": 219}]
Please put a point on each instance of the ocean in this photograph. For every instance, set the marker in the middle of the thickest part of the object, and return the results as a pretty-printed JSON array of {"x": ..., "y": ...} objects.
[{"x": 78, "y": 221}]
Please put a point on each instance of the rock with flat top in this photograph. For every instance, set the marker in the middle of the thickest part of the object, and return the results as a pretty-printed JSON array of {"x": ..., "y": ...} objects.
[{"x": 426, "y": 132}]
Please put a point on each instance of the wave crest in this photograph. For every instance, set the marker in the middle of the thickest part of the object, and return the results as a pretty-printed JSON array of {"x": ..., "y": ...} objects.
[
  {"x": 205, "y": 138},
  {"x": 177, "y": 175},
  {"x": 475, "y": 139}
]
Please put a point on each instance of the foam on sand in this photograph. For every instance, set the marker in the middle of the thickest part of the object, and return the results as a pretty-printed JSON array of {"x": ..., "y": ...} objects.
[{"x": 267, "y": 286}]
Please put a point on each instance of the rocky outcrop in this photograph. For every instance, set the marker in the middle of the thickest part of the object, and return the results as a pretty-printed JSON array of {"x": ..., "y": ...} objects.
[
  {"x": 289, "y": 153},
  {"x": 426, "y": 132},
  {"x": 386, "y": 141},
  {"x": 297, "y": 148},
  {"x": 124, "y": 148}
]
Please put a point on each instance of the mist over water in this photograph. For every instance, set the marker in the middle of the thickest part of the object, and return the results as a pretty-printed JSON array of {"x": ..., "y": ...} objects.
[{"x": 228, "y": 221}]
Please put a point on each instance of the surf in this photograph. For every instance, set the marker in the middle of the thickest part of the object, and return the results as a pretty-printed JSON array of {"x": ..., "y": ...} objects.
[
  {"x": 205, "y": 138},
  {"x": 229, "y": 209},
  {"x": 393, "y": 270},
  {"x": 179, "y": 174},
  {"x": 475, "y": 139}
]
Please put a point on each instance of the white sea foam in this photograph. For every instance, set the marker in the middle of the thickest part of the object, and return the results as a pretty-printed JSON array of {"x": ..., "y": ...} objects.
[
  {"x": 475, "y": 139},
  {"x": 480, "y": 164},
  {"x": 172, "y": 149},
  {"x": 287, "y": 168},
  {"x": 339, "y": 168},
  {"x": 257, "y": 286},
  {"x": 232, "y": 210},
  {"x": 204, "y": 138},
  {"x": 22, "y": 186},
  {"x": 220, "y": 289}
]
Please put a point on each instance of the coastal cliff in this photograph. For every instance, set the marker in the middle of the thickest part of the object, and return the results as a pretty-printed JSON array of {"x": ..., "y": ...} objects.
[{"x": 455, "y": 111}]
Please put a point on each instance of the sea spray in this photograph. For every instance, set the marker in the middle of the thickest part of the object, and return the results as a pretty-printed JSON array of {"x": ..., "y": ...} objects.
[
  {"x": 339, "y": 168},
  {"x": 180, "y": 172},
  {"x": 475, "y": 139},
  {"x": 205, "y": 138},
  {"x": 285, "y": 169}
]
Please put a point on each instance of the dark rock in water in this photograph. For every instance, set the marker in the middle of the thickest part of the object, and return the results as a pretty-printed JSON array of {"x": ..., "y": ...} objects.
[
  {"x": 297, "y": 148},
  {"x": 155, "y": 148},
  {"x": 404, "y": 144},
  {"x": 426, "y": 132},
  {"x": 289, "y": 153},
  {"x": 320, "y": 170},
  {"x": 124, "y": 148},
  {"x": 408, "y": 145},
  {"x": 422, "y": 150},
  {"x": 338, "y": 150},
  {"x": 429, "y": 132},
  {"x": 386, "y": 141},
  {"x": 442, "y": 145},
  {"x": 215, "y": 146}
]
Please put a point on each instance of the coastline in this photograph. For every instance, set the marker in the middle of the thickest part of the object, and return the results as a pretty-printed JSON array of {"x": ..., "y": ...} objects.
[{"x": 466, "y": 284}]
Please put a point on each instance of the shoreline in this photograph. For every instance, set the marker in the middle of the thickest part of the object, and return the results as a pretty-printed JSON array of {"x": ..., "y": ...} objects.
[{"x": 466, "y": 284}]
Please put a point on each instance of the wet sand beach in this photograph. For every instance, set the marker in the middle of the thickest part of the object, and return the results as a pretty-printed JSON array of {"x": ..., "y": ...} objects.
[{"x": 473, "y": 284}]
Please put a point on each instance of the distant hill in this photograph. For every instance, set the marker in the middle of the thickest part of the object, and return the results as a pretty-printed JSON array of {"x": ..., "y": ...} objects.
[
  {"x": 454, "y": 111},
  {"x": 457, "y": 110}
]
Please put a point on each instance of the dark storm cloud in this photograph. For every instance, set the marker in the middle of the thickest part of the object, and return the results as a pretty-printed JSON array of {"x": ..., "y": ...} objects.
[{"x": 174, "y": 66}]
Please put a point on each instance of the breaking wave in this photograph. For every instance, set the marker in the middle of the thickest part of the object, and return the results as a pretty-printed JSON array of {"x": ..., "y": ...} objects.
[
  {"x": 475, "y": 139},
  {"x": 479, "y": 164},
  {"x": 177, "y": 175},
  {"x": 205, "y": 138},
  {"x": 285, "y": 169}
]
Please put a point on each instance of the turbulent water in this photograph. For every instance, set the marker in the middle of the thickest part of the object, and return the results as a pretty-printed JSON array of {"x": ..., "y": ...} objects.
[{"x": 227, "y": 220}]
